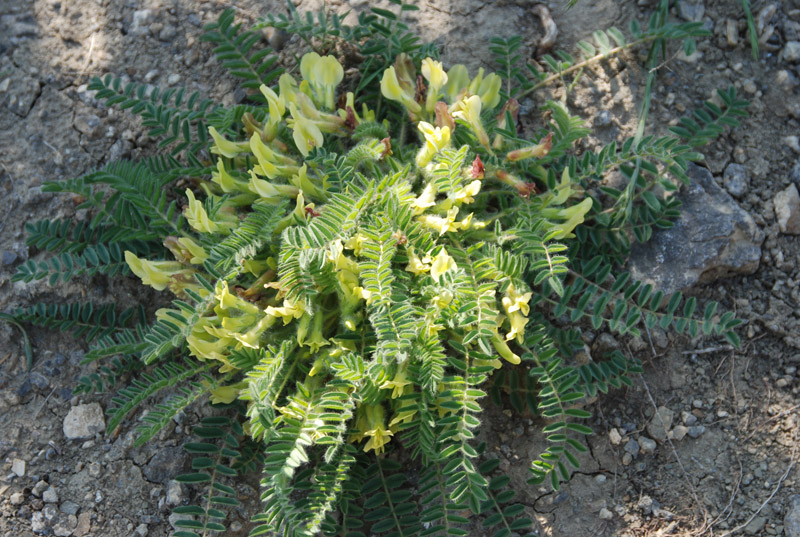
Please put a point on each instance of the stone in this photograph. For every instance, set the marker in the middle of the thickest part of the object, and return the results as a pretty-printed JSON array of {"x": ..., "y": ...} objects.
[
  {"x": 679, "y": 432},
  {"x": 791, "y": 522},
  {"x": 605, "y": 514},
  {"x": 614, "y": 437},
  {"x": 735, "y": 180},
  {"x": 65, "y": 526},
  {"x": 791, "y": 51},
  {"x": 174, "y": 493},
  {"x": 691, "y": 11},
  {"x": 84, "y": 524},
  {"x": 8, "y": 257},
  {"x": 731, "y": 32},
  {"x": 39, "y": 488},
  {"x": 648, "y": 445},
  {"x": 175, "y": 517},
  {"x": 22, "y": 25},
  {"x": 18, "y": 92},
  {"x": 88, "y": 124},
  {"x": 84, "y": 421},
  {"x": 140, "y": 22},
  {"x": 167, "y": 33},
  {"x": 18, "y": 467},
  {"x": 17, "y": 498},
  {"x": 165, "y": 465},
  {"x": 696, "y": 431},
  {"x": 173, "y": 79},
  {"x": 70, "y": 508},
  {"x": 755, "y": 526},
  {"x": 632, "y": 447},
  {"x": 787, "y": 210},
  {"x": 713, "y": 238},
  {"x": 660, "y": 424},
  {"x": 38, "y": 523},
  {"x": 50, "y": 495}
]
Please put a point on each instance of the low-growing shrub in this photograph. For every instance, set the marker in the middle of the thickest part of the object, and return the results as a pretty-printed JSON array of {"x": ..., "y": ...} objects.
[{"x": 358, "y": 261}]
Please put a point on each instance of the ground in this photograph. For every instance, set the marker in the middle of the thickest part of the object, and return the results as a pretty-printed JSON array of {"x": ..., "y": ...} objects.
[{"x": 733, "y": 472}]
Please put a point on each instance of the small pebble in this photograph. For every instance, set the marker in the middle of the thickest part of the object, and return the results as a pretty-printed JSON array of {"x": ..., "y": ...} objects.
[
  {"x": 632, "y": 447},
  {"x": 614, "y": 437},
  {"x": 50, "y": 496},
  {"x": 600, "y": 479},
  {"x": 173, "y": 79},
  {"x": 18, "y": 467},
  {"x": 680, "y": 431},
  {"x": 648, "y": 445},
  {"x": 605, "y": 514},
  {"x": 696, "y": 431},
  {"x": 17, "y": 498}
]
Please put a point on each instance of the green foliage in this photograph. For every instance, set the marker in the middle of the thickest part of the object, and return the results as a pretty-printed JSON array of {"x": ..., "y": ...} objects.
[{"x": 350, "y": 287}]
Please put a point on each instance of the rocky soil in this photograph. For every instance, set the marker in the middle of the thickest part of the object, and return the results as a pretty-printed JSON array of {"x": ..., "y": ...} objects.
[{"x": 704, "y": 443}]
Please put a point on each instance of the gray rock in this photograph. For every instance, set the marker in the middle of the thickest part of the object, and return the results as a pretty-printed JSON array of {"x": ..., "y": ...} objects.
[
  {"x": 173, "y": 79},
  {"x": 632, "y": 447},
  {"x": 39, "y": 381},
  {"x": 713, "y": 238},
  {"x": 38, "y": 523},
  {"x": 647, "y": 505},
  {"x": 175, "y": 517},
  {"x": 17, "y": 498},
  {"x": 8, "y": 257},
  {"x": 791, "y": 522},
  {"x": 735, "y": 180},
  {"x": 691, "y": 11},
  {"x": 18, "y": 467},
  {"x": 660, "y": 424},
  {"x": 39, "y": 488},
  {"x": 88, "y": 124},
  {"x": 174, "y": 493},
  {"x": 140, "y": 23},
  {"x": 648, "y": 445},
  {"x": 168, "y": 33},
  {"x": 602, "y": 119},
  {"x": 165, "y": 465},
  {"x": 18, "y": 92},
  {"x": 70, "y": 508},
  {"x": 679, "y": 432},
  {"x": 19, "y": 25},
  {"x": 791, "y": 51},
  {"x": 50, "y": 495},
  {"x": 787, "y": 210},
  {"x": 696, "y": 431},
  {"x": 84, "y": 421},
  {"x": 755, "y": 526}
]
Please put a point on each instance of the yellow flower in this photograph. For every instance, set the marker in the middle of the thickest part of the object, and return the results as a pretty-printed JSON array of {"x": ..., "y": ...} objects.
[
  {"x": 224, "y": 394},
  {"x": 223, "y": 146},
  {"x": 305, "y": 132},
  {"x": 397, "y": 384},
  {"x": 156, "y": 274},
  {"x": 441, "y": 264},
  {"x": 378, "y": 434},
  {"x": 417, "y": 265},
  {"x": 436, "y": 77},
  {"x": 223, "y": 178},
  {"x": 426, "y": 199},
  {"x": 574, "y": 216},
  {"x": 197, "y": 216},
  {"x": 502, "y": 349},
  {"x": 391, "y": 89},
  {"x": 323, "y": 73},
  {"x": 517, "y": 322},
  {"x": 465, "y": 195},
  {"x": 436, "y": 139},
  {"x": 457, "y": 81},
  {"x": 515, "y": 301},
  {"x": 488, "y": 89},
  {"x": 277, "y": 109},
  {"x": 535, "y": 151},
  {"x": 186, "y": 250},
  {"x": 270, "y": 191},
  {"x": 288, "y": 88},
  {"x": 468, "y": 109},
  {"x": 443, "y": 224},
  {"x": 288, "y": 312}
]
